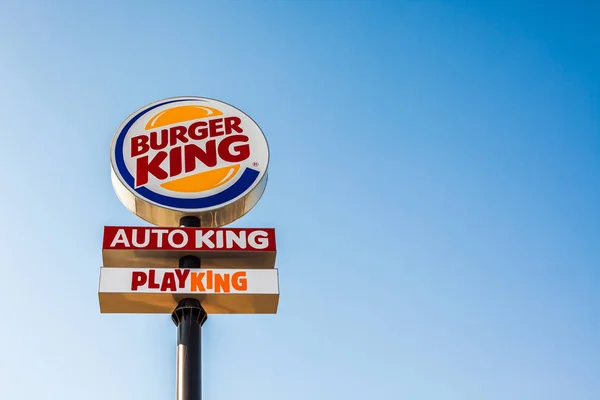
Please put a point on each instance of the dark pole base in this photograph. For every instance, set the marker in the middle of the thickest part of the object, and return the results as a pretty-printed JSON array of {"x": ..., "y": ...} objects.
[
  {"x": 189, "y": 316},
  {"x": 189, "y": 309}
]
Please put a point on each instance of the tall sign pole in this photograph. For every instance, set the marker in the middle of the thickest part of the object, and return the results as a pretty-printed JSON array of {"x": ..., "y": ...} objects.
[
  {"x": 189, "y": 316},
  {"x": 189, "y": 166}
]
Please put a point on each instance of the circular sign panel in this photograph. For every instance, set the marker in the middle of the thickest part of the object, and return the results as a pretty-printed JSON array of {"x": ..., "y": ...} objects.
[{"x": 189, "y": 156}]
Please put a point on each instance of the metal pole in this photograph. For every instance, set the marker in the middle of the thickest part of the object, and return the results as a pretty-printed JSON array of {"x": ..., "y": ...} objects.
[{"x": 189, "y": 316}]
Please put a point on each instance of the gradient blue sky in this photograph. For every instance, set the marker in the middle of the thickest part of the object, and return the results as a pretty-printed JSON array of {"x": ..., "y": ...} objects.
[{"x": 435, "y": 186}]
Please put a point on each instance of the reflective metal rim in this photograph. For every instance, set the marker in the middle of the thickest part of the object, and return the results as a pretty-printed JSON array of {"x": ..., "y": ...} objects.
[{"x": 162, "y": 216}]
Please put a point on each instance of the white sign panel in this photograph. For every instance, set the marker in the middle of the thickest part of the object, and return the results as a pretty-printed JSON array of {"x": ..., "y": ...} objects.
[{"x": 157, "y": 290}]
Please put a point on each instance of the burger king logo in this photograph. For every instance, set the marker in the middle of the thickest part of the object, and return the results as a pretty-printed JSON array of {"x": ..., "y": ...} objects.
[{"x": 189, "y": 156}]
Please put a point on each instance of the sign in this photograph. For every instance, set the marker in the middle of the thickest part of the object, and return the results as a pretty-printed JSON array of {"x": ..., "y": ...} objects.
[
  {"x": 126, "y": 246},
  {"x": 158, "y": 290},
  {"x": 189, "y": 156}
]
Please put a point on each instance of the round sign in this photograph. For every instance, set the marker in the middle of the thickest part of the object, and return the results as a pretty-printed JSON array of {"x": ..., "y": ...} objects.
[{"x": 189, "y": 156}]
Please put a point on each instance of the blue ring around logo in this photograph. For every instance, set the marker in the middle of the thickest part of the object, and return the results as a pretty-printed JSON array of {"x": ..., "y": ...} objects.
[{"x": 245, "y": 181}]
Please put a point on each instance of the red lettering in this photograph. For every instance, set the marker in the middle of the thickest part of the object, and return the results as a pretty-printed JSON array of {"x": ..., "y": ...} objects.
[
  {"x": 144, "y": 168},
  {"x": 175, "y": 161},
  {"x": 233, "y": 124},
  {"x": 139, "y": 145},
  {"x": 198, "y": 130},
  {"x": 240, "y": 151},
  {"x": 183, "y": 154},
  {"x": 208, "y": 156},
  {"x": 182, "y": 275},
  {"x": 138, "y": 279},
  {"x": 152, "y": 284},
  {"x": 177, "y": 133},
  {"x": 155, "y": 143},
  {"x": 168, "y": 282},
  {"x": 215, "y": 126}
]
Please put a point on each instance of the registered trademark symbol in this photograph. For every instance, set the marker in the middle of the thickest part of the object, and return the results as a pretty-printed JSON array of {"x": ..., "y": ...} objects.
[{"x": 255, "y": 164}]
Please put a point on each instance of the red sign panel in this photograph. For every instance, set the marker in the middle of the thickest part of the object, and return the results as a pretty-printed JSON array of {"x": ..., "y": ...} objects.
[
  {"x": 157, "y": 247},
  {"x": 191, "y": 239}
]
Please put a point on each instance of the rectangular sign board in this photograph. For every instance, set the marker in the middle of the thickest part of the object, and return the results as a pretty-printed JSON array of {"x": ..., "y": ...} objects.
[
  {"x": 158, "y": 290},
  {"x": 250, "y": 248}
]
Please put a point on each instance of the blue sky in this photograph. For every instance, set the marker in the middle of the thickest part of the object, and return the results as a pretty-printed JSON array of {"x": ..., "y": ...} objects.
[{"x": 434, "y": 183}]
